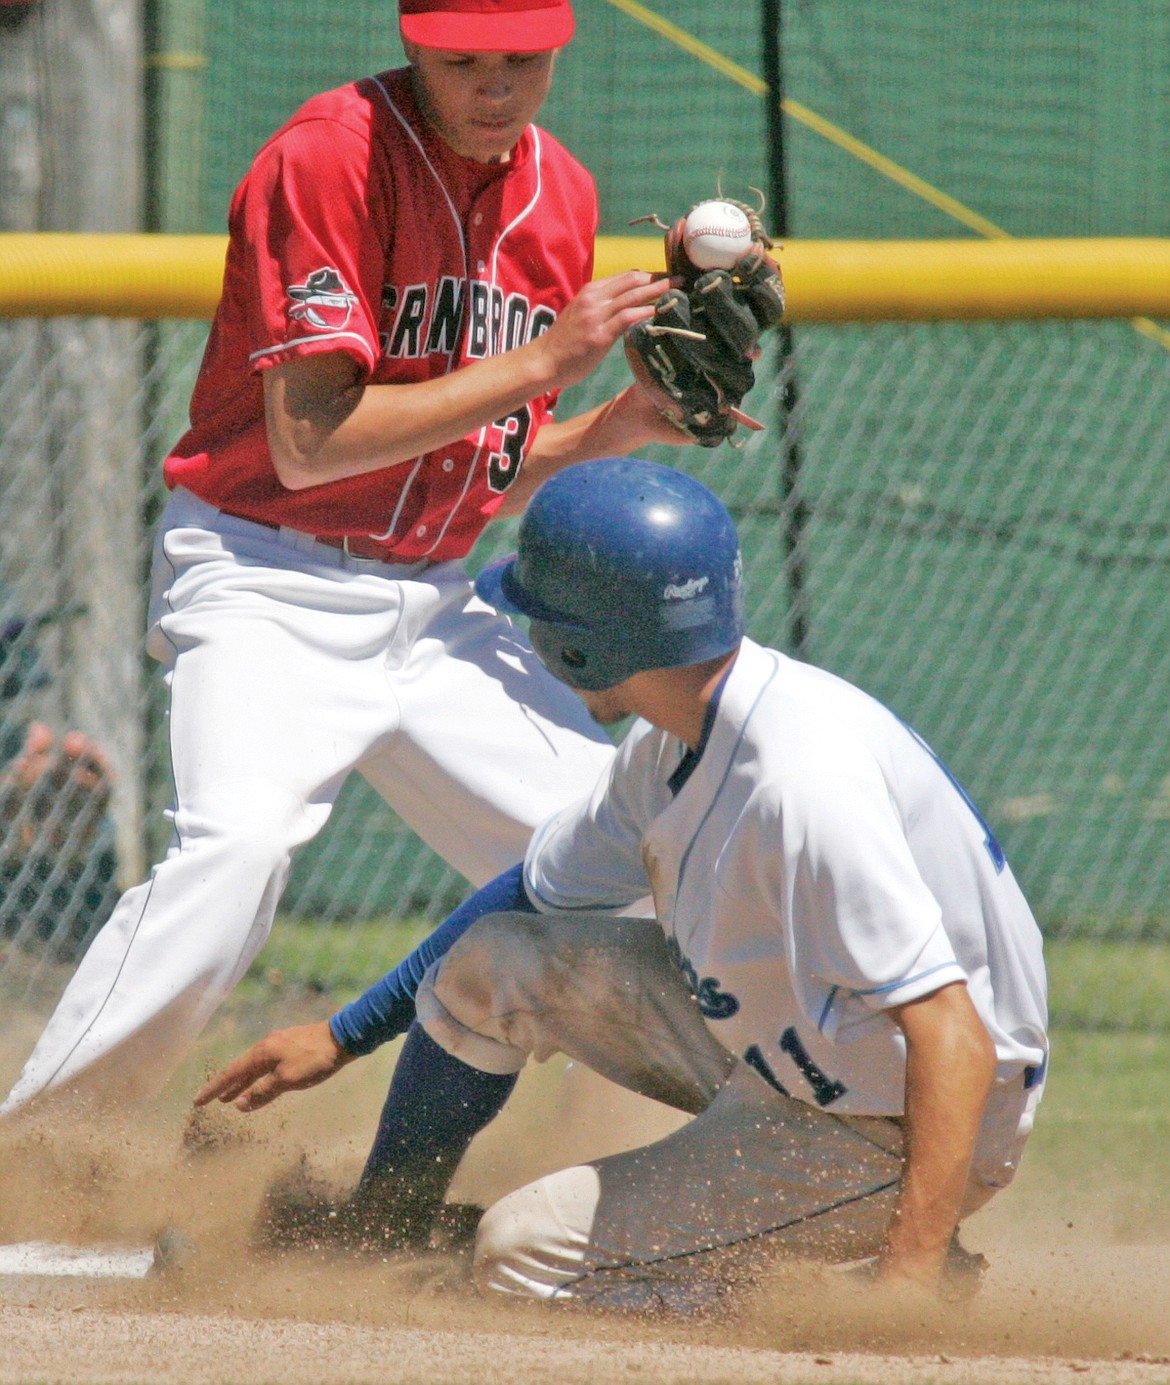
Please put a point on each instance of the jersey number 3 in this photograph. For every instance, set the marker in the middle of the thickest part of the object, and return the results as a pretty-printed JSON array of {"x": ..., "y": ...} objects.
[{"x": 510, "y": 435}]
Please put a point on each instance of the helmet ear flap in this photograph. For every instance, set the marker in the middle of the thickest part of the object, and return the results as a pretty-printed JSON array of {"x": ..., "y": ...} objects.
[{"x": 577, "y": 657}]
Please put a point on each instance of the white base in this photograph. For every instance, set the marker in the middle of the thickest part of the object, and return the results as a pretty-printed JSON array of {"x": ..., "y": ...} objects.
[{"x": 93, "y": 1262}]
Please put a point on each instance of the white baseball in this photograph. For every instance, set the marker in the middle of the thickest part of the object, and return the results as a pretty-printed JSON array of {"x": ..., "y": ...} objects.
[{"x": 717, "y": 235}]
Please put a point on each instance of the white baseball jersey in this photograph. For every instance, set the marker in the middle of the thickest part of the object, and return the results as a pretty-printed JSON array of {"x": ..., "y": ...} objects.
[{"x": 818, "y": 866}]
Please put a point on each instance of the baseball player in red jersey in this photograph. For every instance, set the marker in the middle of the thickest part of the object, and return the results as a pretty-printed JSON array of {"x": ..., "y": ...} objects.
[{"x": 407, "y": 289}]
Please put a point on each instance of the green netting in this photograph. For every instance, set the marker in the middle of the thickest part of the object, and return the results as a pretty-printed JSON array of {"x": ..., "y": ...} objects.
[{"x": 1047, "y": 116}]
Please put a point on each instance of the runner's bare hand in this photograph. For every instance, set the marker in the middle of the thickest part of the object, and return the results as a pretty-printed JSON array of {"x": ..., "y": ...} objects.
[{"x": 286, "y": 1060}]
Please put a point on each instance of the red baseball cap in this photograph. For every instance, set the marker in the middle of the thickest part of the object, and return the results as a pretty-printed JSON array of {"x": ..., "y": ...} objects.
[{"x": 487, "y": 26}]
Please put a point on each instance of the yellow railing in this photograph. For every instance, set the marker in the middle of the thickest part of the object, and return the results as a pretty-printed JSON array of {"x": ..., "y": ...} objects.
[
  {"x": 152, "y": 276},
  {"x": 855, "y": 281},
  {"x": 56, "y": 275}
]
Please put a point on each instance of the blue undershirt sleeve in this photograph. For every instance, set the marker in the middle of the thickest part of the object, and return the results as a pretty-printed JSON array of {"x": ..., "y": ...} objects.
[{"x": 387, "y": 1008}]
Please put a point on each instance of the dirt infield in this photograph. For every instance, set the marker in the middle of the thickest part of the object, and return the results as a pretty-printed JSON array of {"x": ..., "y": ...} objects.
[
  {"x": 415, "y": 1321},
  {"x": 94, "y": 1346},
  {"x": 1065, "y": 1298}
]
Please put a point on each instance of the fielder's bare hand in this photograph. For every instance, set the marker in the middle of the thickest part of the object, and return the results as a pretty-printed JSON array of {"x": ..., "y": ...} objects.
[
  {"x": 580, "y": 339},
  {"x": 287, "y": 1060}
]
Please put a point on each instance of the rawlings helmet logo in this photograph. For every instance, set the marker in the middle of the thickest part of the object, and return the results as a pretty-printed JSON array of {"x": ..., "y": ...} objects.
[
  {"x": 686, "y": 590},
  {"x": 322, "y": 301}
]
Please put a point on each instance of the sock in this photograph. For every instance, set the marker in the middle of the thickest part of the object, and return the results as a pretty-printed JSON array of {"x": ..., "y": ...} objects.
[{"x": 436, "y": 1106}]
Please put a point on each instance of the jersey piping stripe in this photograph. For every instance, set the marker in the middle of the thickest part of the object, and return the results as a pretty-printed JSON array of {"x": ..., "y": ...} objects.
[
  {"x": 552, "y": 907},
  {"x": 422, "y": 153},
  {"x": 824, "y": 1015},
  {"x": 492, "y": 343},
  {"x": 736, "y": 1240},
  {"x": 100, "y": 1010},
  {"x": 471, "y": 469},
  {"x": 909, "y": 980},
  {"x": 521, "y": 215},
  {"x": 409, "y": 131},
  {"x": 686, "y": 856},
  {"x": 317, "y": 336},
  {"x": 389, "y": 534}
]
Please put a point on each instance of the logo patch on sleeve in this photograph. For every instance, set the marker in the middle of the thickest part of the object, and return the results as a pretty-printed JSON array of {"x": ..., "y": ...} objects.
[{"x": 323, "y": 301}]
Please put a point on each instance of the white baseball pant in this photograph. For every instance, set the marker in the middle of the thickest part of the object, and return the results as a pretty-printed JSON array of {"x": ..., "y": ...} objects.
[
  {"x": 290, "y": 664},
  {"x": 756, "y": 1177}
]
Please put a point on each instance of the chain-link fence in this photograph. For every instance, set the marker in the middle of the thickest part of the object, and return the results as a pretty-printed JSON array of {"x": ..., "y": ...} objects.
[
  {"x": 974, "y": 526},
  {"x": 969, "y": 520}
]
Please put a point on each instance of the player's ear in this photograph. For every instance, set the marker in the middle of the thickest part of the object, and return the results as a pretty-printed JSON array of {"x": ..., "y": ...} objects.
[{"x": 410, "y": 49}]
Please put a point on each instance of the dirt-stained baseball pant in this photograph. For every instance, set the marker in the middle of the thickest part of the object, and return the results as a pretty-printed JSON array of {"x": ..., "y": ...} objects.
[
  {"x": 757, "y": 1176},
  {"x": 290, "y": 664}
]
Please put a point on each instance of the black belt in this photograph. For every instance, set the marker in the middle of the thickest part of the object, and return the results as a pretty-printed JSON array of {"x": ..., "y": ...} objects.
[
  {"x": 357, "y": 546},
  {"x": 352, "y": 545}
]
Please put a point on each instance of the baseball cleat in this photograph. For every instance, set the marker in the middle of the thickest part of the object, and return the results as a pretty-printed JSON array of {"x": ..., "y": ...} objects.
[{"x": 301, "y": 1212}]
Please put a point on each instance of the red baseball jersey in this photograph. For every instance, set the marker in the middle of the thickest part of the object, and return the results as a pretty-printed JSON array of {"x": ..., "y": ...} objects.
[{"x": 358, "y": 230}]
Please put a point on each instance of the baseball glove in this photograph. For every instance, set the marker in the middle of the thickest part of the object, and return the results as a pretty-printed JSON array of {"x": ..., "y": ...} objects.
[{"x": 694, "y": 357}]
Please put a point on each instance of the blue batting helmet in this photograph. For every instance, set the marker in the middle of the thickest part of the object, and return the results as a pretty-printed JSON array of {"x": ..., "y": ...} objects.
[{"x": 623, "y": 565}]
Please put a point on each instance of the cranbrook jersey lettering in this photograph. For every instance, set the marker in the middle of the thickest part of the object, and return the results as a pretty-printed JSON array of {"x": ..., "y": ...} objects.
[
  {"x": 357, "y": 230},
  {"x": 430, "y": 320}
]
